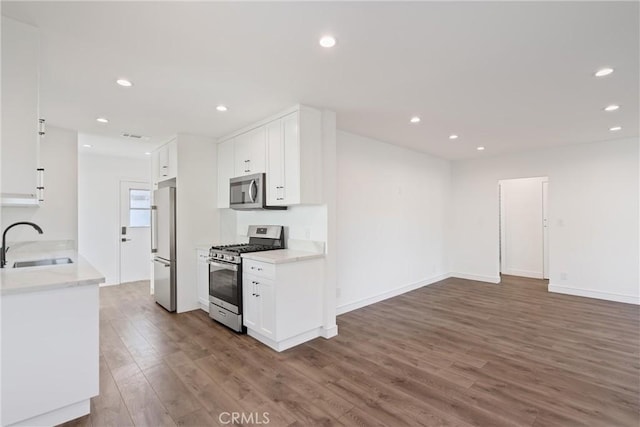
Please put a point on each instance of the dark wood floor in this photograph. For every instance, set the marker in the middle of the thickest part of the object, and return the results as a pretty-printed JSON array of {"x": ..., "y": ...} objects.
[{"x": 456, "y": 353}]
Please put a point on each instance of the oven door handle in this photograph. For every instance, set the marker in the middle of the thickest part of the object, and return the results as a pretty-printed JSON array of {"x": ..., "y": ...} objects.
[{"x": 232, "y": 267}]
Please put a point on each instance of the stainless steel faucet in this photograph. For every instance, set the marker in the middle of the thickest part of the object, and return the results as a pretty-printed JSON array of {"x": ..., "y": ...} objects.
[{"x": 3, "y": 252}]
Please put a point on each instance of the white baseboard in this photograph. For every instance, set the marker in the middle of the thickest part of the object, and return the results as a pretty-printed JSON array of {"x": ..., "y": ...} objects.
[
  {"x": 102, "y": 285},
  {"x": 58, "y": 416},
  {"x": 204, "y": 304},
  {"x": 329, "y": 332},
  {"x": 345, "y": 308},
  {"x": 476, "y": 277},
  {"x": 629, "y": 299},
  {"x": 287, "y": 343},
  {"x": 522, "y": 273}
]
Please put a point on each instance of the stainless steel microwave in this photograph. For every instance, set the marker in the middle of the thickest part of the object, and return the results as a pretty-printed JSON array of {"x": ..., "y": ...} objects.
[{"x": 248, "y": 193}]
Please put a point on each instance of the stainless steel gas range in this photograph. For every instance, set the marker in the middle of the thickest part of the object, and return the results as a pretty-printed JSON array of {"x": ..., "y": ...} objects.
[{"x": 225, "y": 273}]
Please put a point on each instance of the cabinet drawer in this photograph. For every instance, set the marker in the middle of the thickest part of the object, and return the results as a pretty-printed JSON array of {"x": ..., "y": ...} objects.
[
  {"x": 260, "y": 269},
  {"x": 249, "y": 279}
]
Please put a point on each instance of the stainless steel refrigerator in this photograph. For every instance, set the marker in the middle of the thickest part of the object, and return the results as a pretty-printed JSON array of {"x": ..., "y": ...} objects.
[{"x": 163, "y": 246}]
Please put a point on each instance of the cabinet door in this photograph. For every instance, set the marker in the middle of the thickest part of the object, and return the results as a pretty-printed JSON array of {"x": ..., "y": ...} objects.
[
  {"x": 20, "y": 141},
  {"x": 225, "y": 171},
  {"x": 250, "y": 307},
  {"x": 267, "y": 307},
  {"x": 167, "y": 162},
  {"x": 203, "y": 279},
  {"x": 163, "y": 163},
  {"x": 250, "y": 152},
  {"x": 275, "y": 163},
  {"x": 242, "y": 152},
  {"x": 291, "y": 159},
  {"x": 258, "y": 155}
]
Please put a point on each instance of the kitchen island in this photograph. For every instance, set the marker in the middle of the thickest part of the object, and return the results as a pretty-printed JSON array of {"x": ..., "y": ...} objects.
[{"x": 50, "y": 339}]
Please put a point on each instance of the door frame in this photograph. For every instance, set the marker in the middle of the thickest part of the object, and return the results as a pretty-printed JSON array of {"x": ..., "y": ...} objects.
[
  {"x": 544, "y": 225},
  {"x": 119, "y": 213},
  {"x": 545, "y": 230}
]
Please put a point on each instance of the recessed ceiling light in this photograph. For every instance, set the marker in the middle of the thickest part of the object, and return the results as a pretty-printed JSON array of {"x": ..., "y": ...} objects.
[
  {"x": 221, "y": 108},
  {"x": 415, "y": 119},
  {"x": 611, "y": 107},
  {"x": 124, "y": 82},
  {"x": 615, "y": 128},
  {"x": 87, "y": 145},
  {"x": 453, "y": 136},
  {"x": 147, "y": 153},
  {"x": 102, "y": 120},
  {"x": 480, "y": 148},
  {"x": 603, "y": 72},
  {"x": 327, "y": 41}
]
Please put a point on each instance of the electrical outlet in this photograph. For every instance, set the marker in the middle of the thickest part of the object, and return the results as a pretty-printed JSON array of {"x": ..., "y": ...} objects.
[
  {"x": 563, "y": 276},
  {"x": 307, "y": 233}
]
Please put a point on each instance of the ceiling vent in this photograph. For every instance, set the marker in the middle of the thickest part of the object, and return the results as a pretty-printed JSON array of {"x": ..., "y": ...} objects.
[{"x": 134, "y": 136}]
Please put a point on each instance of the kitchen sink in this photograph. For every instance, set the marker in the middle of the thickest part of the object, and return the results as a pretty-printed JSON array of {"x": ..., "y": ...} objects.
[{"x": 41, "y": 262}]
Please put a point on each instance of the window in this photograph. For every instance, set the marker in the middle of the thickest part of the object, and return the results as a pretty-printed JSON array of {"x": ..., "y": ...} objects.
[{"x": 139, "y": 208}]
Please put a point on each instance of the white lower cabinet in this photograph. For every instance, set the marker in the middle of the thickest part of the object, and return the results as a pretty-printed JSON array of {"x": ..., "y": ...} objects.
[
  {"x": 282, "y": 303},
  {"x": 203, "y": 279},
  {"x": 259, "y": 296}
]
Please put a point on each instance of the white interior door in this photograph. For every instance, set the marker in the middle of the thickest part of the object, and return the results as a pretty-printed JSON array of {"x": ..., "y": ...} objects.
[
  {"x": 135, "y": 231},
  {"x": 545, "y": 225}
]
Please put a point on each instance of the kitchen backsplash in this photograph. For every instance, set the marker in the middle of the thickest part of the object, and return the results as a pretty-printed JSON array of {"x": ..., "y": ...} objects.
[
  {"x": 41, "y": 246},
  {"x": 305, "y": 226}
]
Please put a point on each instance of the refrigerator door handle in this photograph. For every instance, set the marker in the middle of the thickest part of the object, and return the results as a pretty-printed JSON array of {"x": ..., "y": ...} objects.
[
  {"x": 154, "y": 229},
  {"x": 166, "y": 264}
]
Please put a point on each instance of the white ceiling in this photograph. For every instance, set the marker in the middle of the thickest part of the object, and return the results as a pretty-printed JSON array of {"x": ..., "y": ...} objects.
[
  {"x": 114, "y": 146},
  {"x": 509, "y": 76}
]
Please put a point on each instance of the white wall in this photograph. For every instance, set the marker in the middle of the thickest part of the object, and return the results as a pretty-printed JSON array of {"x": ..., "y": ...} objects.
[
  {"x": 522, "y": 227},
  {"x": 392, "y": 209},
  {"x": 593, "y": 216},
  {"x": 58, "y": 213},
  {"x": 196, "y": 212},
  {"x": 98, "y": 186}
]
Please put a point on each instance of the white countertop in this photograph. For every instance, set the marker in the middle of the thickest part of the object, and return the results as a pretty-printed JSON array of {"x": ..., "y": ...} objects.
[
  {"x": 34, "y": 279},
  {"x": 281, "y": 256}
]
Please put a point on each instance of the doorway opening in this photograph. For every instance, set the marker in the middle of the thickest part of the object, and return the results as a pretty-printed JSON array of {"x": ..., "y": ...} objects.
[
  {"x": 135, "y": 231},
  {"x": 523, "y": 229}
]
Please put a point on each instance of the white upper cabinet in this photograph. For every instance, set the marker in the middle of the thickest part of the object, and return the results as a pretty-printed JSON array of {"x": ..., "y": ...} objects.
[
  {"x": 165, "y": 162},
  {"x": 226, "y": 171},
  {"x": 287, "y": 147},
  {"x": 250, "y": 152},
  {"x": 294, "y": 159},
  {"x": 20, "y": 139}
]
